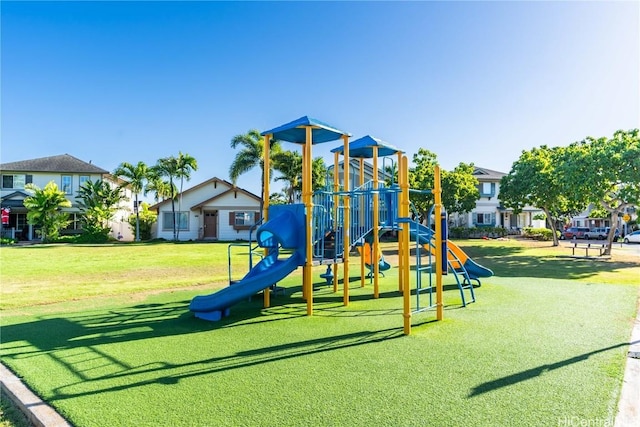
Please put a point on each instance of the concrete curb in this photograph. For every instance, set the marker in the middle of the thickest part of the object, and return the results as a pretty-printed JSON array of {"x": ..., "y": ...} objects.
[
  {"x": 629, "y": 405},
  {"x": 37, "y": 411}
]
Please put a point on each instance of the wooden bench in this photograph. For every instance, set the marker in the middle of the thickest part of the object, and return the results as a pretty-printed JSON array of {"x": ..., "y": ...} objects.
[{"x": 600, "y": 247}]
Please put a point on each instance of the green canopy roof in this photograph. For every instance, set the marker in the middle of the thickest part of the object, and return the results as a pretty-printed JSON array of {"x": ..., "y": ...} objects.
[{"x": 295, "y": 131}]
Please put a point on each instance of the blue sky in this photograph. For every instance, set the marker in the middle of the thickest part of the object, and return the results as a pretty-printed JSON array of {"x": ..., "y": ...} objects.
[{"x": 471, "y": 81}]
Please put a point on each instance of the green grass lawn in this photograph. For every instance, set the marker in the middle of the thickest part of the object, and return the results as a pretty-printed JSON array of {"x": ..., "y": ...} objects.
[{"x": 545, "y": 341}]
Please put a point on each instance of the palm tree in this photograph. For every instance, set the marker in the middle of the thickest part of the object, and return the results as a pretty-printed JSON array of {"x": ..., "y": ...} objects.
[
  {"x": 251, "y": 155},
  {"x": 161, "y": 189},
  {"x": 289, "y": 164},
  {"x": 168, "y": 167},
  {"x": 185, "y": 164},
  {"x": 45, "y": 209},
  {"x": 136, "y": 177}
]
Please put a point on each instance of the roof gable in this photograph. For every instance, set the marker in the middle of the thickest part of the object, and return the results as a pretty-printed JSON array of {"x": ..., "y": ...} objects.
[
  {"x": 215, "y": 181},
  {"x": 61, "y": 163},
  {"x": 223, "y": 194},
  {"x": 484, "y": 173},
  {"x": 16, "y": 194}
]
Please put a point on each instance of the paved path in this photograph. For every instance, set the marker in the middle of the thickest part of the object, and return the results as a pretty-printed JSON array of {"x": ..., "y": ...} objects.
[{"x": 629, "y": 405}]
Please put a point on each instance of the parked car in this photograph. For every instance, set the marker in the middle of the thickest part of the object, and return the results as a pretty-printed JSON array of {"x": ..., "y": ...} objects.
[
  {"x": 601, "y": 234},
  {"x": 632, "y": 237},
  {"x": 574, "y": 232}
]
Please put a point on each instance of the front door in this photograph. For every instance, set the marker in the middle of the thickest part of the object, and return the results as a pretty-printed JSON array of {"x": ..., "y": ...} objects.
[{"x": 211, "y": 225}]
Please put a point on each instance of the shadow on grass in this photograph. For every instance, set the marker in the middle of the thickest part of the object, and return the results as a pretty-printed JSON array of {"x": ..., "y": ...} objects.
[
  {"x": 537, "y": 371},
  {"x": 511, "y": 261},
  {"x": 70, "y": 341},
  {"x": 552, "y": 267}
]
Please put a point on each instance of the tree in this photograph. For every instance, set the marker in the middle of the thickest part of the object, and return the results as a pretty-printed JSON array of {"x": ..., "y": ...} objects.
[
  {"x": 289, "y": 164},
  {"x": 278, "y": 198},
  {"x": 137, "y": 177},
  {"x": 167, "y": 167},
  {"x": 534, "y": 180},
  {"x": 459, "y": 187},
  {"x": 185, "y": 164},
  {"x": 421, "y": 178},
  {"x": 99, "y": 202},
  {"x": 143, "y": 220},
  {"x": 161, "y": 189},
  {"x": 318, "y": 173},
  {"x": 44, "y": 208},
  {"x": 250, "y": 156},
  {"x": 605, "y": 172}
]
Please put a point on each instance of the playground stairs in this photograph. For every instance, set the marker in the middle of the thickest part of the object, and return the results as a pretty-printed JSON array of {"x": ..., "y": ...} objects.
[{"x": 462, "y": 277}]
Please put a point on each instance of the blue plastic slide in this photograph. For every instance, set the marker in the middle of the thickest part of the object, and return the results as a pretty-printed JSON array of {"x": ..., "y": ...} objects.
[{"x": 279, "y": 231}]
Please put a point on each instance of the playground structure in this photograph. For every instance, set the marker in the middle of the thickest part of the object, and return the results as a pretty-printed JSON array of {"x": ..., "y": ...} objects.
[{"x": 338, "y": 219}]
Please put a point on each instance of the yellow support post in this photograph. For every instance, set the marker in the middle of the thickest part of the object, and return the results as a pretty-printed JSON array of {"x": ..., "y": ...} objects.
[
  {"x": 376, "y": 224},
  {"x": 400, "y": 234},
  {"x": 403, "y": 179},
  {"x": 265, "y": 204},
  {"x": 307, "y": 177},
  {"x": 336, "y": 201},
  {"x": 437, "y": 193},
  {"x": 347, "y": 222}
]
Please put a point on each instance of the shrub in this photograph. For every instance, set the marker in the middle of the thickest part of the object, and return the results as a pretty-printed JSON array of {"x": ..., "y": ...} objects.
[
  {"x": 7, "y": 241},
  {"x": 476, "y": 232},
  {"x": 147, "y": 219},
  {"x": 538, "y": 233}
]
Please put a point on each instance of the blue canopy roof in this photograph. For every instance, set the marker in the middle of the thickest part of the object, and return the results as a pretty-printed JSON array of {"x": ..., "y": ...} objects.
[
  {"x": 295, "y": 131},
  {"x": 363, "y": 148}
]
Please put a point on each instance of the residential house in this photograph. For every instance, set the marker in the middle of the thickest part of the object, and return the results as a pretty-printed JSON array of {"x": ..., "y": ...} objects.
[
  {"x": 69, "y": 173},
  {"x": 354, "y": 172},
  {"x": 584, "y": 219},
  {"x": 489, "y": 211},
  {"x": 212, "y": 210}
]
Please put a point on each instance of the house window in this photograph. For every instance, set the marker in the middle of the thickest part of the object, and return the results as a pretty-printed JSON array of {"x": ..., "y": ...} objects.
[
  {"x": 82, "y": 180},
  {"x": 16, "y": 181},
  {"x": 244, "y": 218},
  {"x": 484, "y": 219},
  {"x": 75, "y": 225},
  {"x": 67, "y": 184},
  {"x": 182, "y": 221},
  {"x": 487, "y": 189}
]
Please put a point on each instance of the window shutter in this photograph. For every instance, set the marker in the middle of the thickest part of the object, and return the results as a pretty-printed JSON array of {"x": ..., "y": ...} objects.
[
  {"x": 232, "y": 218},
  {"x": 493, "y": 188},
  {"x": 28, "y": 179},
  {"x": 493, "y": 218},
  {"x": 475, "y": 218},
  {"x": 256, "y": 217}
]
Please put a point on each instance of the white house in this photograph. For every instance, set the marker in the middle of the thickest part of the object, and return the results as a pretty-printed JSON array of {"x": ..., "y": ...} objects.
[
  {"x": 489, "y": 211},
  {"x": 212, "y": 210},
  {"x": 69, "y": 173}
]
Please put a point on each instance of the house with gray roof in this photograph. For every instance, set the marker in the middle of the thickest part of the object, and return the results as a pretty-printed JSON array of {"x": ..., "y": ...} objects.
[
  {"x": 69, "y": 173},
  {"x": 489, "y": 211},
  {"x": 212, "y": 210}
]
